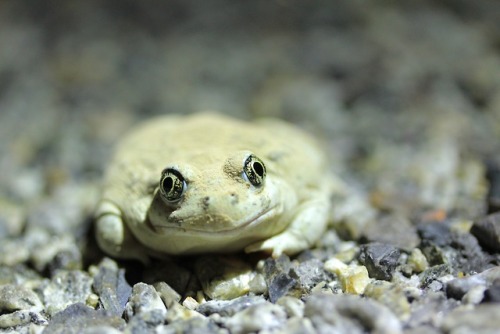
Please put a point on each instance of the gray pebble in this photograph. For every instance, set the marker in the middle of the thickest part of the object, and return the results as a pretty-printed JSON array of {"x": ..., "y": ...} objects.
[
  {"x": 395, "y": 230},
  {"x": 262, "y": 317},
  {"x": 167, "y": 294},
  {"x": 458, "y": 287},
  {"x": 487, "y": 232},
  {"x": 22, "y": 318},
  {"x": 350, "y": 314},
  {"x": 434, "y": 273},
  {"x": 311, "y": 272},
  {"x": 145, "y": 299},
  {"x": 66, "y": 288},
  {"x": 194, "y": 325},
  {"x": 482, "y": 319},
  {"x": 15, "y": 297},
  {"x": 280, "y": 277},
  {"x": 78, "y": 317},
  {"x": 379, "y": 259},
  {"x": 228, "y": 308},
  {"x": 111, "y": 286}
]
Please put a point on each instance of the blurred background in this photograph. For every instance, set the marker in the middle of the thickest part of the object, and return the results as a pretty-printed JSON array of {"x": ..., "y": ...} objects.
[{"x": 405, "y": 95}]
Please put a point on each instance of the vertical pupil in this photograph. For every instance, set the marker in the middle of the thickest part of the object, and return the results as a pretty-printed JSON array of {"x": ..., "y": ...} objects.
[
  {"x": 257, "y": 167},
  {"x": 168, "y": 182}
]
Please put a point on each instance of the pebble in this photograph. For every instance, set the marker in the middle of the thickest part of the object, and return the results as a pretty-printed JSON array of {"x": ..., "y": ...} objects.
[
  {"x": 19, "y": 318},
  {"x": 228, "y": 308},
  {"x": 493, "y": 176},
  {"x": 196, "y": 325},
  {"x": 481, "y": 319},
  {"x": 487, "y": 232},
  {"x": 15, "y": 297},
  {"x": 281, "y": 277},
  {"x": 293, "y": 307},
  {"x": 391, "y": 295},
  {"x": 350, "y": 314},
  {"x": 145, "y": 299},
  {"x": 417, "y": 261},
  {"x": 379, "y": 259},
  {"x": 111, "y": 287},
  {"x": 66, "y": 288},
  {"x": 395, "y": 230},
  {"x": 263, "y": 317},
  {"x": 79, "y": 318},
  {"x": 167, "y": 294},
  {"x": 353, "y": 278},
  {"x": 177, "y": 312},
  {"x": 223, "y": 277},
  {"x": 458, "y": 287}
]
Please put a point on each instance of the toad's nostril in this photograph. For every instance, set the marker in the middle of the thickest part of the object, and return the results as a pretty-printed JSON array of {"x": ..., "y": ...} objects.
[{"x": 205, "y": 202}]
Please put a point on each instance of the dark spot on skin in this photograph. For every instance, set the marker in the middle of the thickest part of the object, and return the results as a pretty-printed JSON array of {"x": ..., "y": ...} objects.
[
  {"x": 205, "y": 202},
  {"x": 234, "y": 199}
]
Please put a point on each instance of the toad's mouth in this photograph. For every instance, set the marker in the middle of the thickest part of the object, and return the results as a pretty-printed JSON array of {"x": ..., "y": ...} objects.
[{"x": 237, "y": 226}]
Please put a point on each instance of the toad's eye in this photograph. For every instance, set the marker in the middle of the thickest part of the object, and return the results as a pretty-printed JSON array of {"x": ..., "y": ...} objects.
[
  {"x": 254, "y": 170},
  {"x": 172, "y": 185}
]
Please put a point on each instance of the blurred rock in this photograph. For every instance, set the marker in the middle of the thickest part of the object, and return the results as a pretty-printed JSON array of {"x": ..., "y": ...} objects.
[{"x": 487, "y": 232}]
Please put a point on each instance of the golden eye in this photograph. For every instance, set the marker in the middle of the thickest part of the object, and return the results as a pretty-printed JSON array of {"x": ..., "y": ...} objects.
[
  {"x": 254, "y": 170},
  {"x": 172, "y": 185}
]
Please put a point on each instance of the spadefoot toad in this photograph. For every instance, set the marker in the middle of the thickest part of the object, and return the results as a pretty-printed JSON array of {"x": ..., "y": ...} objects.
[{"x": 210, "y": 183}]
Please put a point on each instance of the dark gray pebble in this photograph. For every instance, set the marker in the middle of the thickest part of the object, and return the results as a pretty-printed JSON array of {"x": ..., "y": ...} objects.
[
  {"x": 487, "y": 232},
  {"x": 111, "y": 286},
  {"x": 379, "y": 259}
]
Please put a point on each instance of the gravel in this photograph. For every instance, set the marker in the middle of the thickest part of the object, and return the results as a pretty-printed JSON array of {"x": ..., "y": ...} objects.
[{"x": 405, "y": 98}]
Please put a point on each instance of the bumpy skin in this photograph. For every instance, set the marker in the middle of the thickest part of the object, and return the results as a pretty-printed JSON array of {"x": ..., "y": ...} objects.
[{"x": 220, "y": 210}]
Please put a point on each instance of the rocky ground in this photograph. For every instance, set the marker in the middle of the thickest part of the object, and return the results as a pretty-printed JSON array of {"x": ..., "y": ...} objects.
[{"x": 405, "y": 97}]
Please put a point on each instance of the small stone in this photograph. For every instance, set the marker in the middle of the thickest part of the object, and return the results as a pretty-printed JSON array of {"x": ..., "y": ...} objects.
[
  {"x": 144, "y": 299},
  {"x": 258, "y": 285},
  {"x": 492, "y": 295},
  {"x": 350, "y": 314},
  {"x": 379, "y": 259},
  {"x": 66, "y": 288},
  {"x": 111, "y": 286},
  {"x": 434, "y": 273},
  {"x": 281, "y": 278},
  {"x": 353, "y": 278},
  {"x": 438, "y": 234},
  {"x": 15, "y": 297},
  {"x": 262, "y": 317},
  {"x": 177, "y": 312},
  {"x": 294, "y": 307},
  {"x": 167, "y": 294},
  {"x": 297, "y": 325},
  {"x": 475, "y": 295},
  {"x": 394, "y": 230},
  {"x": 230, "y": 307},
  {"x": 417, "y": 261},
  {"x": 190, "y": 303},
  {"x": 487, "y": 232},
  {"x": 223, "y": 277},
  {"x": 458, "y": 287},
  {"x": 19, "y": 318},
  {"x": 13, "y": 252},
  {"x": 391, "y": 295},
  {"x": 310, "y": 273},
  {"x": 76, "y": 318},
  {"x": 45, "y": 253},
  {"x": 196, "y": 325},
  {"x": 481, "y": 319}
]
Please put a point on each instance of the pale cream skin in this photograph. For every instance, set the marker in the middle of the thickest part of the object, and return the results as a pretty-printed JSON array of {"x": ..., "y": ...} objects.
[{"x": 215, "y": 207}]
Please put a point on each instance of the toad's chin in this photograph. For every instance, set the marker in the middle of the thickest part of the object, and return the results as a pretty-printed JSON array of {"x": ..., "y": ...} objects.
[{"x": 236, "y": 228}]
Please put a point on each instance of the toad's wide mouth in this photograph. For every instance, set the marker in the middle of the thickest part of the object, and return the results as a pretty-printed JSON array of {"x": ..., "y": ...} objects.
[{"x": 238, "y": 226}]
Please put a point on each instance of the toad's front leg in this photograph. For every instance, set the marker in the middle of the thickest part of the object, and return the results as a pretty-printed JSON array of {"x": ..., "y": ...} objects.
[{"x": 114, "y": 237}]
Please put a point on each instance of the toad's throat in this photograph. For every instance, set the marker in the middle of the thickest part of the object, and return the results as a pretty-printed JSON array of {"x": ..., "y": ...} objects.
[{"x": 238, "y": 226}]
